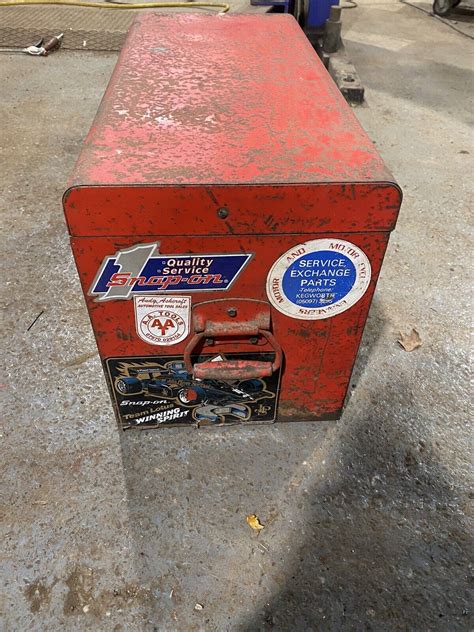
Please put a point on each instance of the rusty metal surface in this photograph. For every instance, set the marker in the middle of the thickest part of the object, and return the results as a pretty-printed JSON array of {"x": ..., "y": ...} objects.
[
  {"x": 244, "y": 316},
  {"x": 192, "y": 101},
  {"x": 319, "y": 355},
  {"x": 229, "y": 155},
  {"x": 303, "y": 209},
  {"x": 242, "y": 323},
  {"x": 232, "y": 370}
]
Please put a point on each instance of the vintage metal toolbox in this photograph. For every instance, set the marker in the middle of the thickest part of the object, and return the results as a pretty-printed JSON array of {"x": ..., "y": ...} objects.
[{"x": 228, "y": 217}]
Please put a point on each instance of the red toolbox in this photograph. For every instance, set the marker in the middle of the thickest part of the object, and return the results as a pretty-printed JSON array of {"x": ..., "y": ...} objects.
[{"x": 229, "y": 218}]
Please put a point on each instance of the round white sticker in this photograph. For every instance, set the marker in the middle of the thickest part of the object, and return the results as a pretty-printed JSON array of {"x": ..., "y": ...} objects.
[
  {"x": 318, "y": 279},
  {"x": 162, "y": 320}
]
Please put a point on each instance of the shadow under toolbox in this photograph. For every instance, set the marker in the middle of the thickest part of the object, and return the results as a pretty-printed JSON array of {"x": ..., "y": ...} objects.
[{"x": 228, "y": 217}]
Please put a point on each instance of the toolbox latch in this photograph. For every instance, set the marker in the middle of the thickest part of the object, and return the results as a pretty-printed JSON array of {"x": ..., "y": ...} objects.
[{"x": 239, "y": 320}]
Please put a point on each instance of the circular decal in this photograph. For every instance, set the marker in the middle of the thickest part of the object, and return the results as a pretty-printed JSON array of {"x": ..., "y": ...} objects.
[
  {"x": 162, "y": 320},
  {"x": 318, "y": 279},
  {"x": 162, "y": 327}
]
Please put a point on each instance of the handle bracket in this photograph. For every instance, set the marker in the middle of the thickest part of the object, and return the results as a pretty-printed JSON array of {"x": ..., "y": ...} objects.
[{"x": 230, "y": 318}]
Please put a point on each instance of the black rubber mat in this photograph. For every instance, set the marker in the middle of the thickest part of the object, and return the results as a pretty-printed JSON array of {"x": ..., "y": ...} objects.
[{"x": 84, "y": 29}]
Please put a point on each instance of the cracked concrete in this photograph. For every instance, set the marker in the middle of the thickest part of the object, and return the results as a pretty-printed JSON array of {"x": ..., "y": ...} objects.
[{"x": 367, "y": 519}]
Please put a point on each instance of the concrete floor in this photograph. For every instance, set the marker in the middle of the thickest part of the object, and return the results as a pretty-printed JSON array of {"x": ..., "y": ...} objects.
[{"x": 367, "y": 519}]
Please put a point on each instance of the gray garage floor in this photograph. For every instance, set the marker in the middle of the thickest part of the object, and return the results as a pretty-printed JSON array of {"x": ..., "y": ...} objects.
[{"x": 367, "y": 525}]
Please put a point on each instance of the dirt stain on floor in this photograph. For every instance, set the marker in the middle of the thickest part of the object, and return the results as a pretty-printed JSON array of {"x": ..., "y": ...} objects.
[
  {"x": 38, "y": 594},
  {"x": 82, "y": 599},
  {"x": 80, "y": 583}
]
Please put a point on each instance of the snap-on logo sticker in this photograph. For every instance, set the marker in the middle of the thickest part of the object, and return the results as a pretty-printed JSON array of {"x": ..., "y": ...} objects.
[
  {"x": 318, "y": 279},
  {"x": 162, "y": 320},
  {"x": 143, "y": 270}
]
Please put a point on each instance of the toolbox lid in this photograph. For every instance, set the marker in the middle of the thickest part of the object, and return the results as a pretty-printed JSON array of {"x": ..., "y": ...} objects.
[{"x": 223, "y": 99}]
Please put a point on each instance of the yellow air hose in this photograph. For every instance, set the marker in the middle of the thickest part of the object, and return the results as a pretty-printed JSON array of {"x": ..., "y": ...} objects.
[{"x": 115, "y": 5}]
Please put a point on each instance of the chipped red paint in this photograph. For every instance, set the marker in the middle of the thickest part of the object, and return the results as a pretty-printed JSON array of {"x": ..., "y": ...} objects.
[
  {"x": 242, "y": 321},
  {"x": 196, "y": 120},
  {"x": 140, "y": 210},
  {"x": 194, "y": 100}
]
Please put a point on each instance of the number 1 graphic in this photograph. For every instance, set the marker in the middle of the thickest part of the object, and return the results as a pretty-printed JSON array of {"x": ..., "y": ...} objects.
[{"x": 131, "y": 261}]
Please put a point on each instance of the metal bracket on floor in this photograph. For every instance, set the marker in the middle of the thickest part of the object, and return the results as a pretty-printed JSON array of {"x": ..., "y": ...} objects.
[
  {"x": 345, "y": 76},
  {"x": 340, "y": 67},
  {"x": 327, "y": 42}
]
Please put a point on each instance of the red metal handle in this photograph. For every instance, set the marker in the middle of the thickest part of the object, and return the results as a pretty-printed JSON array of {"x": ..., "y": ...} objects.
[{"x": 232, "y": 369}]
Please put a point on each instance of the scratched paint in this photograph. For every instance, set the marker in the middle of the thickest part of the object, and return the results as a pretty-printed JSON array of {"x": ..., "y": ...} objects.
[
  {"x": 193, "y": 100},
  {"x": 204, "y": 145},
  {"x": 318, "y": 355}
]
